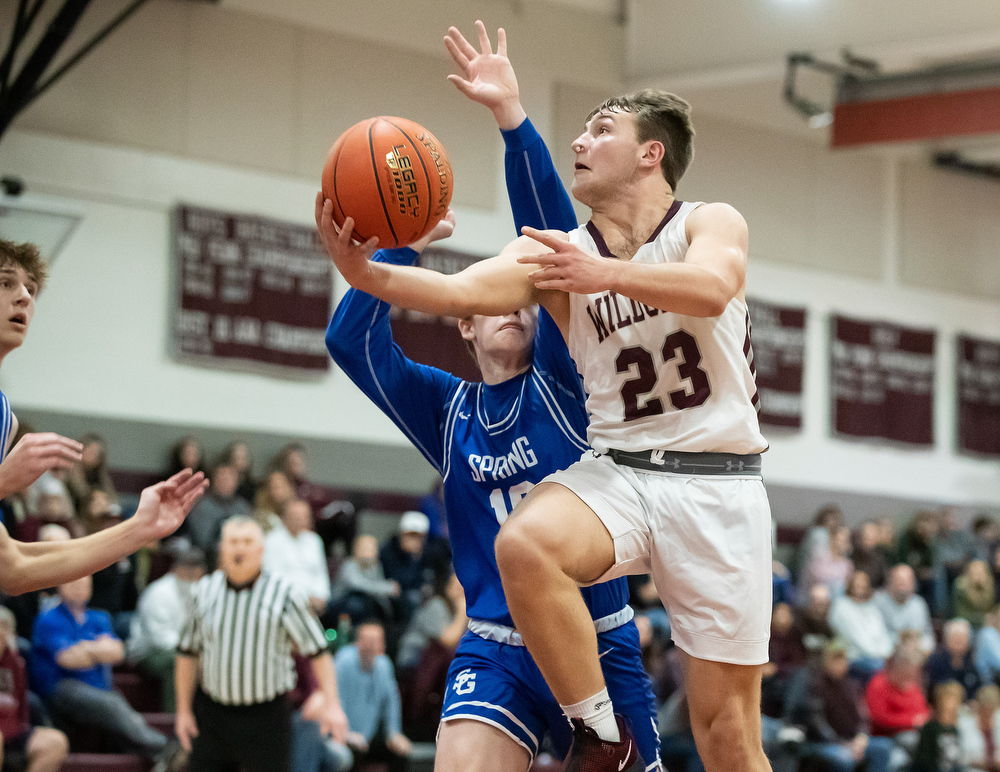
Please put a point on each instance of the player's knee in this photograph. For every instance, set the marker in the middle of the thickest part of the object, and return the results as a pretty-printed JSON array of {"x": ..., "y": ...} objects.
[{"x": 519, "y": 550}]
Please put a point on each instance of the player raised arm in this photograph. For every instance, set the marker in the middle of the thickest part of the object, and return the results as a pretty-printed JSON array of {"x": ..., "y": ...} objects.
[
  {"x": 712, "y": 274},
  {"x": 537, "y": 196},
  {"x": 491, "y": 287}
]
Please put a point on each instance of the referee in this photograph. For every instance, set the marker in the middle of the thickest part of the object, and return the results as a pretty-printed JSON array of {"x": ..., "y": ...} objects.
[{"x": 241, "y": 627}]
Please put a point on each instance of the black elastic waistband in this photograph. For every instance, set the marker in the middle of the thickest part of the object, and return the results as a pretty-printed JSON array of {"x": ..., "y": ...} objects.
[{"x": 676, "y": 462}]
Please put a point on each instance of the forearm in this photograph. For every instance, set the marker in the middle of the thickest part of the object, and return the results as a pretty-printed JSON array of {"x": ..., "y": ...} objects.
[
  {"x": 326, "y": 677},
  {"x": 79, "y": 656},
  {"x": 108, "y": 651},
  {"x": 691, "y": 290},
  {"x": 453, "y": 633},
  {"x": 185, "y": 681}
]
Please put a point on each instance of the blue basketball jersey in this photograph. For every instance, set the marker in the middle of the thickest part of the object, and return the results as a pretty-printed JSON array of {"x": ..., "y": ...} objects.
[{"x": 6, "y": 424}]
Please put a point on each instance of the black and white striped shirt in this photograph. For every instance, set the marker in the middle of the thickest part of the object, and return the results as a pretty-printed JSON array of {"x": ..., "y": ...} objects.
[{"x": 245, "y": 637}]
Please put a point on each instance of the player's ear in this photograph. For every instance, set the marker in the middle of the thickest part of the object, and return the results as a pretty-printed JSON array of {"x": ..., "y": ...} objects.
[
  {"x": 652, "y": 153},
  {"x": 466, "y": 329}
]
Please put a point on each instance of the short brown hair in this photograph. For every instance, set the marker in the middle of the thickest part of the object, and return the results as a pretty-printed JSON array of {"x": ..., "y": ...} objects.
[
  {"x": 28, "y": 257},
  {"x": 664, "y": 117}
]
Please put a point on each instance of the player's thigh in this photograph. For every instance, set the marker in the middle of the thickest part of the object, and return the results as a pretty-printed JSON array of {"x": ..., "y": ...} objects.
[
  {"x": 466, "y": 744},
  {"x": 555, "y": 521}
]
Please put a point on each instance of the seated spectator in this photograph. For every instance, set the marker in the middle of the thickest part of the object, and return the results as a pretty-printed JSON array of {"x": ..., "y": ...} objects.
[
  {"x": 903, "y": 610},
  {"x": 362, "y": 591},
  {"x": 855, "y": 618},
  {"x": 73, "y": 650},
  {"x": 813, "y": 620},
  {"x": 986, "y": 652},
  {"x": 828, "y": 708},
  {"x": 272, "y": 494},
  {"x": 984, "y": 538},
  {"x": 979, "y": 729},
  {"x": 114, "y": 586},
  {"x": 91, "y": 473},
  {"x": 645, "y": 600},
  {"x": 402, "y": 559},
  {"x": 827, "y": 521},
  {"x": 29, "y": 605},
  {"x": 895, "y": 698},
  {"x": 916, "y": 549},
  {"x": 974, "y": 594},
  {"x": 954, "y": 661},
  {"x": 293, "y": 461},
  {"x": 156, "y": 626},
  {"x": 955, "y": 548},
  {"x": 938, "y": 749},
  {"x": 44, "y": 748},
  {"x": 187, "y": 453},
  {"x": 237, "y": 455},
  {"x": 370, "y": 696},
  {"x": 786, "y": 654},
  {"x": 832, "y": 566},
  {"x": 295, "y": 551},
  {"x": 311, "y": 750},
  {"x": 220, "y": 502},
  {"x": 868, "y": 554},
  {"x": 50, "y": 483},
  {"x": 441, "y": 619},
  {"x": 58, "y": 510}
]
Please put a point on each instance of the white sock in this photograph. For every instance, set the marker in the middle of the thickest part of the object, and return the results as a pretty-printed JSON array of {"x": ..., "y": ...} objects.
[{"x": 598, "y": 713}]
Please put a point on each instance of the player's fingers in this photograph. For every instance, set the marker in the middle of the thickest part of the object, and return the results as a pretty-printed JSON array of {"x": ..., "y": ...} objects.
[
  {"x": 456, "y": 53},
  {"x": 542, "y": 238},
  {"x": 551, "y": 284},
  {"x": 462, "y": 85},
  {"x": 369, "y": 247},
  {"x": 178, "y": 479},
  {"x": 545, "y": 258},
  {"x": 463, "y": 45},
  {"x": 320, "y": 201},
  {"x": 484, "y": 38},
  {"x": 345, "y": 231},
  {"x": 502, "y": 42}
]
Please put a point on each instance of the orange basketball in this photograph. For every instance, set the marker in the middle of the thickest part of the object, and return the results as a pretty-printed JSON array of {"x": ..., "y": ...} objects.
[{"x": 392, "y": 176}]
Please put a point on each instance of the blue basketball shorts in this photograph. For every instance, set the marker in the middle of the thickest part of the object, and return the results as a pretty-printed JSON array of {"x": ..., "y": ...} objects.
[{"x": 499, "y": 684}]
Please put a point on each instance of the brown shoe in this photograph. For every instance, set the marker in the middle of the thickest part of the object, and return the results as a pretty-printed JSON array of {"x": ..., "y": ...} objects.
[{"x": 589, "y": 753}]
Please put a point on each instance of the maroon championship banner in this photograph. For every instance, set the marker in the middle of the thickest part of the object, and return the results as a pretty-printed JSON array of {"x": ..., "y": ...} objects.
[
  {"x": 435, "y": 340},
  {"x": 250, "y": 292},
  {"x": 978, "y": 396},
  {"x": 882, "y": 381},
  {"x": 779, "y": 341}
]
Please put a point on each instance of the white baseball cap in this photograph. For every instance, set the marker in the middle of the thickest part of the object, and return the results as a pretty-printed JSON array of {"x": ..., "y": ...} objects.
[{"x": 414, "y": 522}]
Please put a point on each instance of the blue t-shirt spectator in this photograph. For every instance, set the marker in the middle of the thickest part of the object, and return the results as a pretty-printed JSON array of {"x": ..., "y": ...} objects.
[{"x": 56, "y": 630}]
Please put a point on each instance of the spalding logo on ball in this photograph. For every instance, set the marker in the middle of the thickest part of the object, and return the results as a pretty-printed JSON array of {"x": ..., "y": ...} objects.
[{"x": 392, "y": 176}]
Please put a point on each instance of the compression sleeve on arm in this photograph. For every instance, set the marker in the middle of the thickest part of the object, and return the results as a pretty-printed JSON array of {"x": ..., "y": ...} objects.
[{"x": 537, "y": 196}]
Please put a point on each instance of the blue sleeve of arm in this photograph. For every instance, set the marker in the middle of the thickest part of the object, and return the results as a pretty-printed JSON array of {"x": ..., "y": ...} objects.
[
  {"x": 414, "y": 396},
  {"x": 537, "y": 196}
]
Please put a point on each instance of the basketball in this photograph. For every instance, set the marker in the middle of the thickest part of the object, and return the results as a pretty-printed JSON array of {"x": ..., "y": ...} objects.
[{"x": 392, "y": 176}]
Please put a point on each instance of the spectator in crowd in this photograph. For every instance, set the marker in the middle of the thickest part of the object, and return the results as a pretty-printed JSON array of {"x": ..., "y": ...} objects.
[
  {"x": 97, "y": 511},
  {"x": 59, "y": 511},
  {"x": 294, "y": 550},
  {"x": 440, "y": 619},
  {"x": 895, "y": 698},
  {"x": 979, "y": 730},
  {"x": 311, "y": 751},
  {"x": 955, "y": 548},
  {"x": 44, "y": 748},
  {"x": 868, "y": 554},
  {"x": 237, "y": 455},
  {"x": 402, "y": 559},
  {"x": 954, "y": 661},
  {"x": 644, "y": 598},
  {"x": 986, "y": 651},
  {"x": 273, "y": 492},
  {"x": 786, "y": 654},
  {"x": 984, "y": 538},
  {"x": 974, "y": 593},
  {"x": 91, "y": 473},
  {"x": 371, "y": 699},
  {"x": 916, "y": 549},
  {"x": 293, "y": 461},
  {"x": 241, "y": 715},
  {"x": 938, "y": 749},
  {"x": 902, "y": 609},
  {"x": 51, "y": 484},
  {"x": 855, "y": 618},
  {"x": 362, "y": 591},
  {"x": 73, "y": 650},
  {"x": 828, "y": 708},
  {"x": 220, "y": 503},
  {"x": 817, "y": 539},
  {"x": 156, "y": 626},
  {"x": 114, "y": 587},
  {"x": 813, "y": 619},
  {"x": 830, "y": 565},
  {"x": 187, "y": 453}
]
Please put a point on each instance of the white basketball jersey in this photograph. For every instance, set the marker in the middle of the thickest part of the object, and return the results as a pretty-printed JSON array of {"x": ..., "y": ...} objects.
[{"x": 660, "y": 380}]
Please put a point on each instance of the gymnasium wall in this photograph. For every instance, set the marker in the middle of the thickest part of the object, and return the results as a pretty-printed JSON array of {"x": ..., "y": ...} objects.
[{"x": 230, "y": 110}]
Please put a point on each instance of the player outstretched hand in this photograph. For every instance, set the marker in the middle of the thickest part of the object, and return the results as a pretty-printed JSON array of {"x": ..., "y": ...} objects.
[
  {"x": 487, "y": 77},
  {"x": 568, "y": 268},
  {"x": 34, "y": 455},
  {"x": 350, "y": 257},
  {"x": 163, "y": 507},
  {"x": 442, "y": 230}
]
